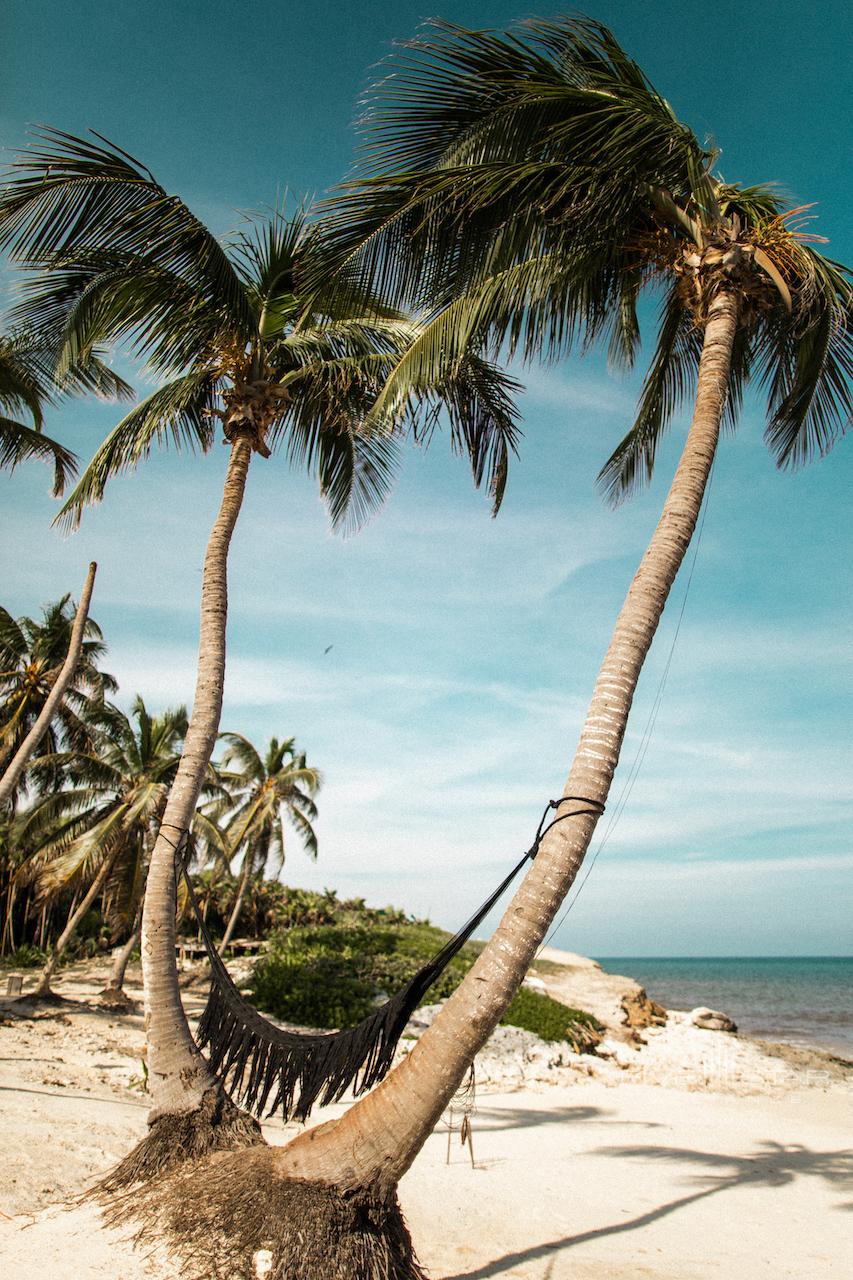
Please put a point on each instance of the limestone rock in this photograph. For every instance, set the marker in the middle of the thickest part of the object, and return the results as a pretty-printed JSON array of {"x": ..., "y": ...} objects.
[
  {"x": 641, "y": 1011},
  {"x": 711, "y": 1020}
]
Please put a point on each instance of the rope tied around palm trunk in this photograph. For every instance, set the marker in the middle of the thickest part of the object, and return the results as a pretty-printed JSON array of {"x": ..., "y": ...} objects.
[{"x": 267, "y": 1069}]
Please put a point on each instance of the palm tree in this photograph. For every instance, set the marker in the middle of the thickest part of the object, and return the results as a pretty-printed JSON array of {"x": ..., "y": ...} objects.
[
  {"x": 11, "y": 776},
  {"x": 528, "y": 188},
  {"x": 122, "y": 259},
  {"x": 21, "y": 392},
  {"x": 28, "y": 384},
  {"x": 32, "y": 655},
  {"x": 259, "y": 793},
  {"x": 98, "y": 830}
]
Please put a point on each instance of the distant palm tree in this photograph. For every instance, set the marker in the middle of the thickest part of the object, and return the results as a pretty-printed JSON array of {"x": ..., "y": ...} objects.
[
  {"x": 32, "y": 653},
  {"x": 236, "y": 339},
  {"x": 97, "y": 832},
  {"x": 260, "y": 793}
]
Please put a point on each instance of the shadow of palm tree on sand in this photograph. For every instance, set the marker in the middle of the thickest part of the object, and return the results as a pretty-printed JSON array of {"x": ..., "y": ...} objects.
[{"x": 771, "y": 1165}]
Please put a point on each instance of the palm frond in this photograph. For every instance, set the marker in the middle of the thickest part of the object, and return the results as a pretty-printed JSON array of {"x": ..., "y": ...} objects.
[
  {"x": 669, "y": 380},
  {"x": 70, "y": 194},
  {"x": 356, "y": 474},
  {"x": 474, "y": 135},
  {"x": 174, "y": 413},
  {"x": 98, "y": 297},
  {"x": 244, "y": 754},
  {"x": 19, "y": 443},
  {"x": 807, "y": 363}
]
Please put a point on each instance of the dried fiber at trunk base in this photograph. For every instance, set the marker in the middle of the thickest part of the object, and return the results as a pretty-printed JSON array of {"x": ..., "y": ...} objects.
[{"x": 267, "y": 1069}]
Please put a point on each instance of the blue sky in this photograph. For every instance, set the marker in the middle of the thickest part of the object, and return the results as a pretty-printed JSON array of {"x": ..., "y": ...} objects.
[{"x": 464, "y": 649}]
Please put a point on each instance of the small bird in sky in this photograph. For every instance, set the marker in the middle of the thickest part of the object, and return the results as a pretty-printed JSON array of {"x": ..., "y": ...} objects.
[{"x": 328, "y": 649}]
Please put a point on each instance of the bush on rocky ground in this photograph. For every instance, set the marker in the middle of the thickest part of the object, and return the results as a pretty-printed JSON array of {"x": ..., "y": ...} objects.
[{"x": 333, "y": 974}]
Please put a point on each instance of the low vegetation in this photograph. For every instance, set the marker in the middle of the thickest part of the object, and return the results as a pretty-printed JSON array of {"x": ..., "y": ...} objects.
[{"x": 333, "y": 972}]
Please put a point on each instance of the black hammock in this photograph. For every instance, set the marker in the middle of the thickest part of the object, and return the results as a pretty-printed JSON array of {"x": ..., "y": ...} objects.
[{"x": 268, "y": 1069}]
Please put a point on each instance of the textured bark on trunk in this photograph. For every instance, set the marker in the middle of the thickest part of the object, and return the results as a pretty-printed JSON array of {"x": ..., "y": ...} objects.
[
  {"x": 77, "y": 914},
  {"x": 66, "y": 673},
  {"x": 241, "y": 893},
  {"x": 178, "y": 1075},
  {"x": 121, "y": 959},
  {"x": 375, "y": 1142},
  {"x": 113, "y": 992}
]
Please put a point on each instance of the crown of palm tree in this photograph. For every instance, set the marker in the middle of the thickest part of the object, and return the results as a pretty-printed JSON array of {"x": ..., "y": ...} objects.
[
  {"x": 230, "y": 330},
  {"x": 528, "y": 187},
  {"x": 112, "y": 798},
  {"x": 31, "y": 655},
  {"x": 259, "y": 791}
]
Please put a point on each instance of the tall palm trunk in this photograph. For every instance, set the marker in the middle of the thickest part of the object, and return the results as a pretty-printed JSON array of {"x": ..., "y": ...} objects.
[
  {"x": 375, "y": 1142},
  {"x": 113, "y": 993},
  {"x": 19, "y": 761},
  {"x": 178, "y": 1076},
  {"x": 238, "y": 903},
  {"x": 77, "y": 914}
]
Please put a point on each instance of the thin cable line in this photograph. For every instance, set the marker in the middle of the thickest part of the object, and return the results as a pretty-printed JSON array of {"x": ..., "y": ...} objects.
[{"x": 645, "y": 740}]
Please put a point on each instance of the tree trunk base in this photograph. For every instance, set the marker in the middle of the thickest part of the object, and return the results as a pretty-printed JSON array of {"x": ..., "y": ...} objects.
[
  {"x": 117, "y": 999},
  {"x": 233, "y": 1217},
  {"x": 173, "y": 1140},
  {"x": 47, "y": 996}
]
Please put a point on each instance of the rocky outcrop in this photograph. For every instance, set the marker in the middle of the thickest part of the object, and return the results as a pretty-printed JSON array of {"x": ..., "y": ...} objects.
[
  {"x": 710, "y": 1020},
  {"x": 620, "y": 1004},
  {"x": 641, "y": 1012}
]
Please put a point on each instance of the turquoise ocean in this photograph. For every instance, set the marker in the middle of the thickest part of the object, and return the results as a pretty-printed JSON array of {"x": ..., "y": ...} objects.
[{"x": 803, "y": 1000}]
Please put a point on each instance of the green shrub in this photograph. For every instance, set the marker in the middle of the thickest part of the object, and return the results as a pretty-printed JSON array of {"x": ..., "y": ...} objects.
[
  {"x": 333, "y": 975},
  {"x": 551, "y": 1020},
  {"x": 270, "y": 905},
  {"x": 27, "y": 956}
]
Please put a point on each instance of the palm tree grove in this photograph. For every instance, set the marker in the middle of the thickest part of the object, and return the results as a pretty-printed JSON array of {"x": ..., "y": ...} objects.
[{"x": 334, "y": 672}]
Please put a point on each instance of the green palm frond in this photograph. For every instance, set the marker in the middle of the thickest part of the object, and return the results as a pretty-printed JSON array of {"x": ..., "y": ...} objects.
[
  {"x": 100, "y": 297},
  {"x": 546, "y": 130},
  {"x": 31, "y": 357},
  {"x": 209, "y": 835},
  {"x": 807, "y": 362},
  {"x": 356, "y": 474},
  {"x": 23, "y": 388},
  {"x": 241, "y": 752},
  {"x": 266, "y": 256},
  {"x": 65, "y": 860},
  {"x": 173, "y": 413},
  {"x": 669, "y": 381},
  {"x": 69, "y": 194},
  {"x": 19, "y": 443},
  {"x": 477, "y": 398},
  {"x": 306, "y": 832}
]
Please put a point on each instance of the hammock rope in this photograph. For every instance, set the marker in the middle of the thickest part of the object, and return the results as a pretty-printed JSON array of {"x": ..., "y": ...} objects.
[{"x": 267, "y": 1069}]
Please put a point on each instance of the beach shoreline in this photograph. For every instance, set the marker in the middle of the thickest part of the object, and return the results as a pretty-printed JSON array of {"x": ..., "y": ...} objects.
[{"x": 580, "y": 1165}]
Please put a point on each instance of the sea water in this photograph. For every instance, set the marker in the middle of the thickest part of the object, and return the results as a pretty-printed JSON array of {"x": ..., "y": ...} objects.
[{"x": 804, "y": 1000}]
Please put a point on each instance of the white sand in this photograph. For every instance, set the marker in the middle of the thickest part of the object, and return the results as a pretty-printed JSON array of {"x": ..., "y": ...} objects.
[{"x": 737, "y": 1165}]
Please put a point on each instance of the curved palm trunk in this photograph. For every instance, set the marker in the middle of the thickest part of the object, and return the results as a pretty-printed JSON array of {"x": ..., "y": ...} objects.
[
  {"x": 375, "y": 1142},
  {"x": 19, "y": 761},
  {"x": 238, "y": 903},
  {"x": 113, "y": 992},
  {"x": 77, "y": 914},
  {"x": 178, "y": 1075}
]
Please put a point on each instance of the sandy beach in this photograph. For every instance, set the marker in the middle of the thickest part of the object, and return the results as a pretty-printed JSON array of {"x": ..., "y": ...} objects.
[{"x": 682, "y": 1153}]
